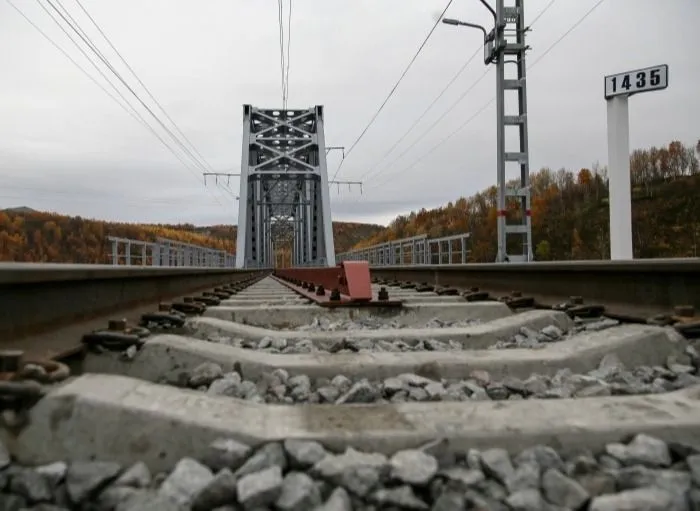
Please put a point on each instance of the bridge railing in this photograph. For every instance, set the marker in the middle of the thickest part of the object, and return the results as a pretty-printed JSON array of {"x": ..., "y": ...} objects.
[
  {"x": 167, "y": 252},
  {"x": 413, "y": 251}
]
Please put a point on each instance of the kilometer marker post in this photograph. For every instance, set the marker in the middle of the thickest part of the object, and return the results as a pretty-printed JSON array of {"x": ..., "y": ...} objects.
[{"x": 618, "y": 88}]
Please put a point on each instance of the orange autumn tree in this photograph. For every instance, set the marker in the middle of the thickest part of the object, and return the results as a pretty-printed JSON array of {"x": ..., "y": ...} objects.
[
  {"x": 569, "y": 210},
  {"x": 35, "y": 236}
]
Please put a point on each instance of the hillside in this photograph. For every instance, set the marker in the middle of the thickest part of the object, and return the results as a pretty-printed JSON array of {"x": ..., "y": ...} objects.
[
  {"x": 345, "y": 234},
  {"x": 35, "y": 236},
  {"x": 570, "y": 211}
]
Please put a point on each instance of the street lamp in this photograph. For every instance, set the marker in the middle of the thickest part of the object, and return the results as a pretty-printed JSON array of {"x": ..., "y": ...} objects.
[
  {"x": 495, "y": 48},
  {"x": 449, "y": 21}
]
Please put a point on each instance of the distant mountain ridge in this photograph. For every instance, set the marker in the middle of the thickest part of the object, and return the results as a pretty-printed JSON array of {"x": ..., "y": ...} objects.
[
  {"x": 28, "y": 235},
  {"x": 20, "y": 209}
]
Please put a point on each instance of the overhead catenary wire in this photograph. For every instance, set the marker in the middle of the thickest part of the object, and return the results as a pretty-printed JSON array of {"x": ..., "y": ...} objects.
[
  {"x": 437, "y": 121},
  {"x": 75, "y": 63},
  {"x": 477, "y": 51},
  {"x": 106, "y": 62},
  {"x": 483, "y": 107},
  {"x": 571, "y": 29},
  {"x": 201, "y": 161},
  {"x": 289, "y": 42},
  {"x": 75, "y": 26},
  {"x": 84, "y": 53},
  {"x": 425, "y": 112},
  {"x": 162, "y": 109},
  {"x": 126, "y": 106},
  {"x": 121, "y": 95},
  {"x": 280, "y": 21},
  {"x": 393, "y": 89}
]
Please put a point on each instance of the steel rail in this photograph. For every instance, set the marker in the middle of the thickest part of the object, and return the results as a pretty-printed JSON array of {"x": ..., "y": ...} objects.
[
  {"x": 658, "y": 284},
  {"x": 36, "y": 298}
]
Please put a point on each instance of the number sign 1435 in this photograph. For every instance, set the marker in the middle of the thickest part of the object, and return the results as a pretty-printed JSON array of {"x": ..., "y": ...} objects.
[{"x": 640, "y": 80}]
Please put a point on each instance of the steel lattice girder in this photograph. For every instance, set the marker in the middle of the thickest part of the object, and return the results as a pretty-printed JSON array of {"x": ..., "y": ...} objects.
[{"x": 284, "y": 195}]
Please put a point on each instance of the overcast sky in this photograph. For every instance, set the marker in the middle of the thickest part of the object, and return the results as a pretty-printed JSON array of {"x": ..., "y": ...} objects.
[{"x": 66, "y": 146}]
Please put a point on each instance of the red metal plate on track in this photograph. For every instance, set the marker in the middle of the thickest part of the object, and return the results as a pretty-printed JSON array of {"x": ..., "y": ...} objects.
[{"x": 345, "y": 300}]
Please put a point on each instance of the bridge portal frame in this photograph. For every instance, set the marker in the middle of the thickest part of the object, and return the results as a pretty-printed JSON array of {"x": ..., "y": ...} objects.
[{"x": 284, "y": 195}]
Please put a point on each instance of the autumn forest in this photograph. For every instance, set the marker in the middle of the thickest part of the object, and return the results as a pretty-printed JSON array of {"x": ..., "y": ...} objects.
[
  {"x": 569, "y": 218},
  {"x": 570, "y": 211}
]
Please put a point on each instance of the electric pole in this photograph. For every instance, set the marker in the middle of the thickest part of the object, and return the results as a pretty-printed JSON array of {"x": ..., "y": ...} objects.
[{"x": 505, "y": 44}]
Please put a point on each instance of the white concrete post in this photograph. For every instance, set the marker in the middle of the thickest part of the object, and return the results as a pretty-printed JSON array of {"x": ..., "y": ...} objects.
[
  {"x": 617, "y": 89},
  {"x": 619, "y": 179}
]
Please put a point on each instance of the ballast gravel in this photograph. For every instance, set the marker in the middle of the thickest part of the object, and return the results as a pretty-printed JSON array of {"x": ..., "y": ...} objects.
[
  {"x": 278, "y": 387},
  {"x": 525, "y": 338},
  {"x": 321, "y": 324},
  {"x": 642, "y": 473}
]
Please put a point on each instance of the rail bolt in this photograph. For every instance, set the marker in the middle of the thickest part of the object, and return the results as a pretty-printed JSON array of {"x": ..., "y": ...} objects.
[
  {"x": 116, "y": 325},
  {"x": 188, "y": 299},
  {"x": 335, "y": 295},
  {"x": 10, "y": 360},
  {"x": 516, "y": 294},
  {"x": 576, "y": 300},
  {"x": 164, "y": 307},
  {"x": 320, "y": 291},
  {"x": 383, "y": 294}
]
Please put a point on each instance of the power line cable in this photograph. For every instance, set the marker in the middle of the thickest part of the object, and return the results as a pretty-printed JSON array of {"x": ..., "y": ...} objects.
[
  {"x": 391, "y": 92},
  {"x": 545, "y": 9},
  {"x": 129, "y": 88},
  {"x": 127, "y": 106},
  {"x": 571, "y": 29},
  {"x": 420, "y": 118},
  {"x": 280, "y": 21},
  {"x": 441, "y": 142},
  {"x": 192, "y": 146},
  {"x": 75, "y": 26},
  {"x": 153, "y": 98},
  {"x": 478, "y": 51},
  {"x": 289, "y": 41},
  {"x": 437, "y": 121},
  {"x": 121, "y": 95},
  {"x": 470, "y": 119},
  {"x": 75, "y": 63},
  {"x": 84, "y": 53}
]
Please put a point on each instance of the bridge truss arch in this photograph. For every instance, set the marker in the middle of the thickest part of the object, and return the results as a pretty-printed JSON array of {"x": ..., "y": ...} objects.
[{"x": 284, "y": 195}]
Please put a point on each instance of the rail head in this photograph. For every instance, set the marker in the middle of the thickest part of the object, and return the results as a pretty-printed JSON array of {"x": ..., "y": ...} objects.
[
  {"x": 675, "y": 265},
  {"x": 12, "y": 274},
  {"x": 653, "y": 284}
]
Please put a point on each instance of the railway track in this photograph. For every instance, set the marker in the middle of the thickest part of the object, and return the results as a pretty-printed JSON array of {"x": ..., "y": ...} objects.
[{"x": 424, "y": 399}]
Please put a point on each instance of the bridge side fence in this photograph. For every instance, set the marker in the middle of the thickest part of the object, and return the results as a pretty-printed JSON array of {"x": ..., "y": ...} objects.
[
  {"x": 415, "y": 250},
  {"x": 167, "y": 252}
]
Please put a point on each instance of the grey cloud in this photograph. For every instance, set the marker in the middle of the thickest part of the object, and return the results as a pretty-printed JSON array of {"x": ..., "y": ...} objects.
[{"x": 65, "y": 146}]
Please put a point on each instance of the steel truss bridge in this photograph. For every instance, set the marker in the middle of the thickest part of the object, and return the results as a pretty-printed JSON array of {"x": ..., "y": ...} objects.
[{"x": 284, "y": 197}]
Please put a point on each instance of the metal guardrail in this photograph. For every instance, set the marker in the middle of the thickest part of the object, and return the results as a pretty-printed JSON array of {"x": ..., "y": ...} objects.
[
  {"x": 166, "y": 252},
  {"x": 416, "y": 250}
]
